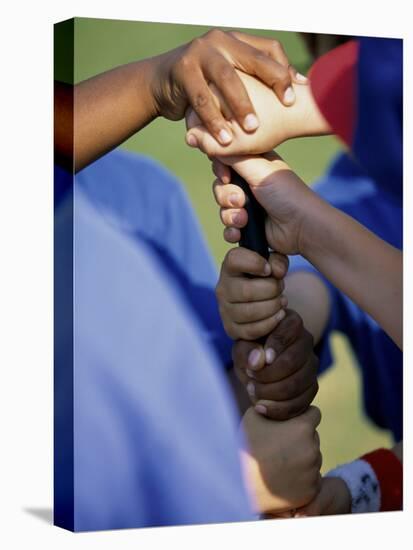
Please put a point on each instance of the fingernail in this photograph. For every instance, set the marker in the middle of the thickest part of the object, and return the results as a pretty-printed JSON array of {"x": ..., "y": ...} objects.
[
  {"x": 301, "y": 78},
  {"x": 267, "y": 269},
  {"x": 236, "y": 219},
  {"x": 289, "y": 95},
  {"x": 234, "y": 199},
  {"x": 251, "y": 389},
  {"x": 280, "y": 315},
  {"x": 284, "y": 301},
  {"x": 254, "y": 358},
  {"x": 261, "y": 409},
  {"x": 251, "y": 122},
  {"x": 269, "y": 355},
  {"x": 250, "y": 373},
  {"x": 191, "y": 140},
  {"x": 224, "y": 136}
]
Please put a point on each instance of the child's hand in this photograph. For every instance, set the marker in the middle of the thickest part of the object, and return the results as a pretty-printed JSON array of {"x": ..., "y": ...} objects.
[
  {"x": 182, "y": 77},
  {"x": 281, "y": 378},
  {"x": 277, "y": 122},
  {"x": 283, "y": 460},
  {"x": 251, "y": 307},
  {"x": 333, "y": 498},
  {"x": 292, "y": 207}
]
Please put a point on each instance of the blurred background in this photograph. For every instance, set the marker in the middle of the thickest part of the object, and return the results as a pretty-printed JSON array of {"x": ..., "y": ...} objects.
[{"x": 101, "y": 45}]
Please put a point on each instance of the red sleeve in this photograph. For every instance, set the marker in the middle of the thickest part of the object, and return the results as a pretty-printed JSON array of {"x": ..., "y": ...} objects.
[
  {"x": 389, "y": 472},
  {"x": 333, "y": 79}
]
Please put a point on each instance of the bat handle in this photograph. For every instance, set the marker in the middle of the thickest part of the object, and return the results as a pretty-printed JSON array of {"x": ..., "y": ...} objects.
[{"x": 253, "y": 234}]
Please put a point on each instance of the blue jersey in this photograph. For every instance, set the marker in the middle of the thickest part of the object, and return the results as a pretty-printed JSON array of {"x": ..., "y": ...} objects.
[
  {"x": 347, "y": 188},
  {"x": 146, "y": 430}
]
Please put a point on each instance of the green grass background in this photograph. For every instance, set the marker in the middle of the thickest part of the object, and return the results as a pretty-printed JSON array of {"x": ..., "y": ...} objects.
[{"x": 102, "y": 44}]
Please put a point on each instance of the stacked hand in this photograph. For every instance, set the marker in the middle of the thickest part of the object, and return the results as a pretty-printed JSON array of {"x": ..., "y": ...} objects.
[
  {"x": 283, "y": 460},
  {"x": 289, "y": 203},
  {"x": 184, "y": 75}
]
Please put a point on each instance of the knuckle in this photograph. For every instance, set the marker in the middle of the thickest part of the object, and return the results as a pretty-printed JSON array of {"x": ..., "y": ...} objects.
[
  {"x": 213, "y": 122},
  {"x": 243, "y": 105},
  {"x": 226, "y": 72},
  {"x": 214, "y": 34},
  {"x": 261, "y": 57},
  {"x": 184, "y": 62},
  {"x": 283, "y": 75},
  {"x": 276, "y": 46},
  {"x": 201, "y": 100},
  {"x": 198, "y": 42}
]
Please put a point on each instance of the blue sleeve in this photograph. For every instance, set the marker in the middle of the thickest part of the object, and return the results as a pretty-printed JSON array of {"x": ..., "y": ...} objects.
[
  {"x": 145, "y": 201},
  {"x": 154, "y": 424}
]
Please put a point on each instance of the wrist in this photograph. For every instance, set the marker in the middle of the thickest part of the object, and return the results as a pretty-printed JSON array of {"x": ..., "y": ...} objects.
[
  {"x": 164, "y": 93},
  {"x": 304, "y": 117},
  {"x": 313, "y": 227},
  {"x": 343, "y": 497},
  {"x": 374, "y": 481},
  {"x": 150, "y": 84}
]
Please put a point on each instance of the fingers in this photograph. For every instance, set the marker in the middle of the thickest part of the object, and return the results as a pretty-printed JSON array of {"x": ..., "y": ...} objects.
[
  {"x": 232, "y": 235},
  {"x": 251, "y": 312},
  {"x": 224, "y": 76},
  {"x": 274, "y": 49},
  {"x": 234, "y": 217},
  {"x": 246, "y": 355},
  {"x": 279, "y": 264},
  {"x": 239, "y": 261},
  {"x": 299, "y": 355},
  {"x": 251, "y": 331},
  {"x": 203, "y": 103},
  {"x": 221, "y": 171},
  {"x": 267, "y": 61},
  {"x": 288, "y": 388},
  {"x": 283, "y": 410},
  {"x": 291, "y": 331},
  {"x": 228, "y": 195},
  {"x": 243, "y": 289}
]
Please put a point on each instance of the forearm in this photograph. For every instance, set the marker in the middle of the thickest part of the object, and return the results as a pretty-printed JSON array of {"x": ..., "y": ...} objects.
[
  {"x": 102, "y": 112},
  {"x": 111, "y": 107},
  {"x": 359, "y": 263},
  {"x": 308, "y": 296}
]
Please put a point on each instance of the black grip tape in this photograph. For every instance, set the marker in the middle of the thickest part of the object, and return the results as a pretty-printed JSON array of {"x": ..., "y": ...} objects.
[{"x": 253, "y": 234}]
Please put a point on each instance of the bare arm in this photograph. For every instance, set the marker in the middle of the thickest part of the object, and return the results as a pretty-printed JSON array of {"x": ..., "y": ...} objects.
[
  {"x": 362, "y": 265},
  {"x": 308, "y": 296},
  {"x": 98, "y": 114}
]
